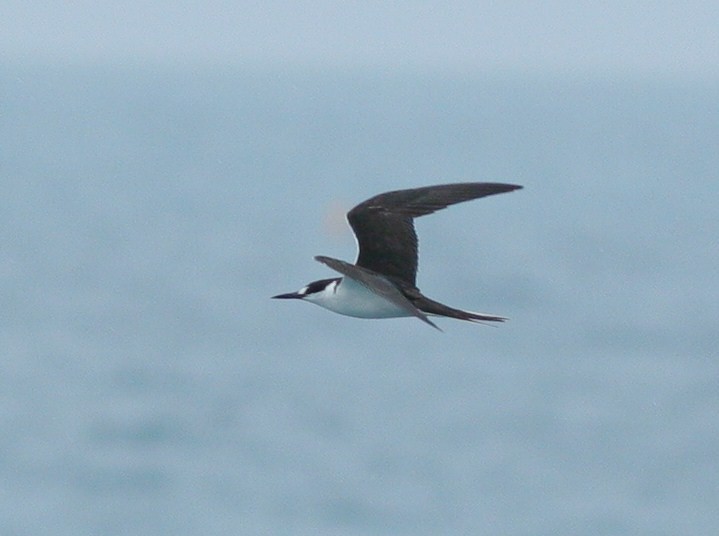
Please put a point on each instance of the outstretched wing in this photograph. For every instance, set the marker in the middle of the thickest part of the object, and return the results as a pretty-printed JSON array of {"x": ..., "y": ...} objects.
[
  {"x": 377, "y": 284},
  {"x": 384, "y": 224}
]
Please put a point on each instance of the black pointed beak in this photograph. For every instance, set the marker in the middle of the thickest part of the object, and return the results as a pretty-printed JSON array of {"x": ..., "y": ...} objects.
[{"x": 288, "y": 296}]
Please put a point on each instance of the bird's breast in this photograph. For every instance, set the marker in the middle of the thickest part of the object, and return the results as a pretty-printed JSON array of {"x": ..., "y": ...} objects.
[{"x": 354, "y": 299}]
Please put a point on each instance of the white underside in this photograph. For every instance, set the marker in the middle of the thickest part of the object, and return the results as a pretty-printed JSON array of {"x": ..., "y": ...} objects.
[{"x": 351, "y": 298}]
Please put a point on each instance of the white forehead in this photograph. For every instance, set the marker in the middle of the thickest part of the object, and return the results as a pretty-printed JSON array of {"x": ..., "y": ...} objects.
[{"x": 318, "y": 296}]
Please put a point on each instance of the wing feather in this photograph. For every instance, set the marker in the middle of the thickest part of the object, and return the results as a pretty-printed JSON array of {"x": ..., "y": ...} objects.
[{"x": 384, "y": 224}]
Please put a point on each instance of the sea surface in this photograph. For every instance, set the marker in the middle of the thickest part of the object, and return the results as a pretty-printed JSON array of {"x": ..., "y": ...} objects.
[{"x": 149, "y": 386}]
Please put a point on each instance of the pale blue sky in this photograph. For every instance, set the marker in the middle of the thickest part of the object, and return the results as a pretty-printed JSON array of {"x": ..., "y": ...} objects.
[{"x": 662, "y": 37}]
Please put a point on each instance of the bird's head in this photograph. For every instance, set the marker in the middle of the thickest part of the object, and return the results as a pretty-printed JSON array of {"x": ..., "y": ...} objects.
[{"x": 314, "y": 291}]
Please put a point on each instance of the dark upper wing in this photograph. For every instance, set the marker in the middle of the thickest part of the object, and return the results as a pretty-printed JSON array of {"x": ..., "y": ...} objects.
[
  {"x": 385, "y": 231},
  {"x": 377, "y": 284}
]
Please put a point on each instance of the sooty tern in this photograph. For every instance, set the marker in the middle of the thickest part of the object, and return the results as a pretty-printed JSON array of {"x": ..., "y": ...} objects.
[{"x": 381, "y": 284}]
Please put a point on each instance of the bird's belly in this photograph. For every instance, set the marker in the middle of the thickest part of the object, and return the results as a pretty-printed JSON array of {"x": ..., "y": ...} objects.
[{"x": 354, "y": 299}]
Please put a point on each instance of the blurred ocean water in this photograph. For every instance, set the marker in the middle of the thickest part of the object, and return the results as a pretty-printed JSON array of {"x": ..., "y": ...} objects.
[{"x": 149, "y": 386}]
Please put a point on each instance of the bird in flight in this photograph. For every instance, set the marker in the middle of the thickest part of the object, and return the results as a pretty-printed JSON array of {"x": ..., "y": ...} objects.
[{"x": 382, "y": 282}]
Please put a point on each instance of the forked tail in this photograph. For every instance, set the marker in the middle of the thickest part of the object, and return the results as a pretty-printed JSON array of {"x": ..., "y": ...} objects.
[{"x": 435, "y": 308}]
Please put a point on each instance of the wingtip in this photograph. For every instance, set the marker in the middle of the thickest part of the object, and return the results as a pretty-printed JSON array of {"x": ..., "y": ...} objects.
[{"x": 435, "y": 326}]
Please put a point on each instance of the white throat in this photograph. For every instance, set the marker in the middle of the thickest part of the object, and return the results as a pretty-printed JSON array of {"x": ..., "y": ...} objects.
[{"x": 348, "y": 297}]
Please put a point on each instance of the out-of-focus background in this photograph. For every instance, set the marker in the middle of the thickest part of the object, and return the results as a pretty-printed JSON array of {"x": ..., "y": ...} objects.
[{"x": 166, "y": 168}]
